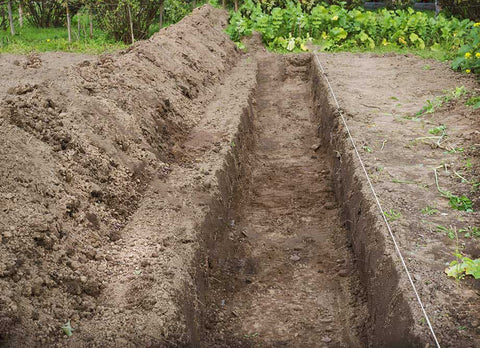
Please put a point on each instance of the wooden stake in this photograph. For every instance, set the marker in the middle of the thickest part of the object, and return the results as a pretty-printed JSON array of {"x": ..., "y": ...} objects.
[
  {"x": 236, "y": 5},
  {"x": 10, "y": 17},
  {"x": 69, "y": 26},
  {"x": 161, "y": 15},
  {"x": 91, "y": 21},
  {"x": 131, "y": 23},
  {"x": 224, "y": 4},
  {"x": 20, "y": 14}
]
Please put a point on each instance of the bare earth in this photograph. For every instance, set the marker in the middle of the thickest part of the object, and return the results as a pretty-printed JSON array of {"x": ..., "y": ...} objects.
[{"x": 178, "y": 194}]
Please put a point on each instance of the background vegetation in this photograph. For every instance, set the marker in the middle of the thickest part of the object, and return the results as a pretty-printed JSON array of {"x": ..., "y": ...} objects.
[{"x": 103, "y": 25}]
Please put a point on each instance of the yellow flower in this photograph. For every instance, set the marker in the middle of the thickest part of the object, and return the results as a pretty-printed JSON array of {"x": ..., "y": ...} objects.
[
  {"x": 468, "y": 55},
  {"x": 402, "y": 40},
  {"x": 385, "y": 42},
  {"x": 477, "y": 24},
  {"x": 477, "y": 54},
  {"x": 324, "y": 35},
  {"x": 468, "y": 71},
  {"x": 335, "y": 18},
  {"x": 303, "y": 47},
  {"x": 48, "y": 40}
]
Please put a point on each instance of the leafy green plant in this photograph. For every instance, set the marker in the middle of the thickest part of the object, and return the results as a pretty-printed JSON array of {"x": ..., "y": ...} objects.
[
  {"x": 449, "y": 231},
  {"x": 459, "y": 202},
  {"x": 468, "y": 56},
  {"x": 468, "y": 164},
  {"x": 462, "y": 202},
  {"x": 392, "y": 215},
  {"x": 429, "y": 210},
  {"x": 463, "y": 266},
  {"x": 336, "y": 28},
  {"x": 474, "y": 101},
  {"x": 68, "y": 329},
  {"x": 455, "y": 150},
  {"x": 470, "y": 231},
  {"x": 367, "y": 149},
  {"x": 429, "y": 108},
  {"x": 438, "y": 130}
]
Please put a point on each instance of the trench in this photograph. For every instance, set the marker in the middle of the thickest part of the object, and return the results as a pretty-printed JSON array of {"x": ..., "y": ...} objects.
[
  {"x": 292, "y": 280},
  {"x": 296, "y": 256}
]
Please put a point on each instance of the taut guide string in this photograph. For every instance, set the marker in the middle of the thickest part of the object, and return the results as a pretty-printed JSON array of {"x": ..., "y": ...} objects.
[{"x": 378, "y": 202}]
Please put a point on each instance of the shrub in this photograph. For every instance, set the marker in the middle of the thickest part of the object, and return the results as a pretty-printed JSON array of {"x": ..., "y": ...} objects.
[
  {"x": 49, "y": 13},
  {"x": 114, "y": 17},
  {"x": 468, "y": 57},
  {"x": 462, "y": 8}
]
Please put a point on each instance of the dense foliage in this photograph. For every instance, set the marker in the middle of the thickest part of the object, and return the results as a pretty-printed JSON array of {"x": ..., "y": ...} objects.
[
  {"x": 468, "y": 58},
  {"x": 115, "y": 15},
  {"x": 463, "y": 8},
  {"x": 49, "y": 13},
  {"x": 334, "y": 27}
]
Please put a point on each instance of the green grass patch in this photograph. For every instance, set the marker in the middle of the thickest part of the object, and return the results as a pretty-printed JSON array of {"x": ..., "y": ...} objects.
[{"x": 28, "y": 39}]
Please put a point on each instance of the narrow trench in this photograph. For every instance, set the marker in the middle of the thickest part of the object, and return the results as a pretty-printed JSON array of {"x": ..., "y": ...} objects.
[{"x": 294, "y": 282}]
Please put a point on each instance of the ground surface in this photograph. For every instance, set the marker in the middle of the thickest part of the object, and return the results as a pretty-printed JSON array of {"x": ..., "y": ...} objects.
[
  {"x": 299, "y": 284},
  {"x": 109, "y": 167},
  {"x": 379, "y": 94}
]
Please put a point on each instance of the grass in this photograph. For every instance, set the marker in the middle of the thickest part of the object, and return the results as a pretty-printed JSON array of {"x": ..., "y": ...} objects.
[
  {"x": 29, "y": 39},
  {"x": 428, "y": 210},
  {"x": 392, "y": 215},
  {"x": 439, "y": 55}
]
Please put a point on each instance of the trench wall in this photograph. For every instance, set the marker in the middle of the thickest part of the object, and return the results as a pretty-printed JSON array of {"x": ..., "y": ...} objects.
[{"x": 392, "y": 310}]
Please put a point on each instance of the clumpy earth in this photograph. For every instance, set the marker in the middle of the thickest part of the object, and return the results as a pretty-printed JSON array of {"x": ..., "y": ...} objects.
[
  {"x": 82, "y": 139},
  {"x": 177, "y": 193}
]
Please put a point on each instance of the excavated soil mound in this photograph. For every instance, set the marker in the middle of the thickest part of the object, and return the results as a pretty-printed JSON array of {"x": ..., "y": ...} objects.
[{"x": 79, "y": 145}]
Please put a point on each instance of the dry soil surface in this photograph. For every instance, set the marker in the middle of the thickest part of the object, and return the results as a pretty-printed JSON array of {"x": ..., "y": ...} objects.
[
  {"x": 175, "y": 193},
  {"x": 381, "y": 96}
]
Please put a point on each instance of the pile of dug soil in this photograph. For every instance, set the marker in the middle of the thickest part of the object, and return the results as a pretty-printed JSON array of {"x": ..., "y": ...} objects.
[{"x": 81, "y": 140}]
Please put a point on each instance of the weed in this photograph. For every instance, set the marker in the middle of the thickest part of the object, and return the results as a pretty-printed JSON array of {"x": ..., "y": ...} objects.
[
  {"x": 68, "y": 329},
  {"x": 455, "y": 150},
  {"x": 429, "y": 108},
  {"x": 474, "y": 101},
  {"x": 367, "y": 149},
  {"x": 470, "y": 232},
  {"x": 459, "y": 92},
  {"x": 392, "y": 215},
  {"x": 241, "y": 46},
  {"x": 440, "y": 130},
  {"x": 429, "y": 210},
  {"x": 462, "y": 202},
  {"x": 426, "y": 67},
  {"x": 253, "y": 335},
  {"x": 463, "y": 266},
  {"x": 468, "y": 164},
  {"x": 396, "y": 181},
  {"x": 449, "y": 231}
]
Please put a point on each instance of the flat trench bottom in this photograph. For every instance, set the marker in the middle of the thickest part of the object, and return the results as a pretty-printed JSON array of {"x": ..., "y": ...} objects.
[{"x": 296, "y": 282}]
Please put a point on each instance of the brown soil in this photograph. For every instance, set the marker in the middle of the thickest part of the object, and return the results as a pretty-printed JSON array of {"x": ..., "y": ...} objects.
[
  {"x": 170, "y": 195},
  {"x": 296, "y": 282},
  {"x": 85, "y": 150},
  {"x": 379, "y": 95}
]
